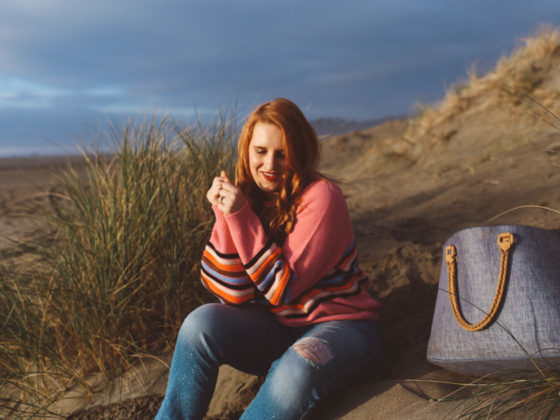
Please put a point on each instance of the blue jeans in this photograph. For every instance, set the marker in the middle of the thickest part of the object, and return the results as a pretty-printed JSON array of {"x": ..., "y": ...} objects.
[{"x": 302, "y": 365}]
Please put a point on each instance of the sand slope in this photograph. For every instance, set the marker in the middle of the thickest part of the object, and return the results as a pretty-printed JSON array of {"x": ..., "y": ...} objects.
[
  {"x": 404, "y": 206},
  {"x": 410, "y": 184}
]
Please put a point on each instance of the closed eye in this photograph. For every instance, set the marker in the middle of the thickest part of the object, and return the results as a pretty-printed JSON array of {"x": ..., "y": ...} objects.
[{"x": 261, "y": 151}]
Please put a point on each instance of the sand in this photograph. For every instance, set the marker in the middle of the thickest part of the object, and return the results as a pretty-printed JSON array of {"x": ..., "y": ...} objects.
[
  {"x": 480, "y": 157},
  {"x": 405, "y": 200},
  {"x": 410, "y": 184}
]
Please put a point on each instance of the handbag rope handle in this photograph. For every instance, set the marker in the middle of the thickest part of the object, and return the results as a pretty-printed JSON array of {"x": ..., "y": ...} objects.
[{"x": 505, "y": 241}]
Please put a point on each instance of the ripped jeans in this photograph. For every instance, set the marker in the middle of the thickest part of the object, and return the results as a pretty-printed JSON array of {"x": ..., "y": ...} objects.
[{"x": 302, "y": 365}]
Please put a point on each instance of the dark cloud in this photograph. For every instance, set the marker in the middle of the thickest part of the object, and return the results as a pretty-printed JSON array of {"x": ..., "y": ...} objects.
[{"x": 356, "y": 59}]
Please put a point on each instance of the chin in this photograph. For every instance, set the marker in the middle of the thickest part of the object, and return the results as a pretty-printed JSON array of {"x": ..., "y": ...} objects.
[{"x": 268, "y": 188}]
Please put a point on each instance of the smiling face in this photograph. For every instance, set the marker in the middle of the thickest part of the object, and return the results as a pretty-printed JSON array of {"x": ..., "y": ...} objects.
[{"x": 267, "y": 159}]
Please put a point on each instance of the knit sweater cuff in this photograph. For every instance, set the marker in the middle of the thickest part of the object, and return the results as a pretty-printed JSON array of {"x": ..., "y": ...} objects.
[
  {"x": 237, "y": 221},
  {"x": 220, "y": 217}
]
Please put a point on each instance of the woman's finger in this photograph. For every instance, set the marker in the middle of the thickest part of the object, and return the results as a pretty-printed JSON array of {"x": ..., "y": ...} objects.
[
  {"x": 228, "y": 186},
  {"x": 218, "y": 181},
  {"x": 214, "y": 192},
  {"x": 230, "y": 200},
  {"x": 226, "y": 193}
]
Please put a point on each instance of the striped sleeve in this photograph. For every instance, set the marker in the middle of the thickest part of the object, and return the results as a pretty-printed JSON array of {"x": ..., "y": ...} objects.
[
  {"x": 222, "y": 272},
  {"x": 270, "y": 273},
  {"x": 224, "y": 276}
]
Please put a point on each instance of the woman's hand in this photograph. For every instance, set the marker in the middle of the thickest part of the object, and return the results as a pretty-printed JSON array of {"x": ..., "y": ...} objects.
[
  {"x": 225, "y": 194},
  {"x": 231, "y": 198},
  {"x": 213, "y": 194}
]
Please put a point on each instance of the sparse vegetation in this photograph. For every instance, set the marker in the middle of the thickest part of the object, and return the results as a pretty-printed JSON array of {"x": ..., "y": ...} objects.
[
  {"x": 526, "y": 71},
  {"x": 526, "y": 85},
  {"x": 498, "y": 397},
  {"x": 120, "y": 270}
]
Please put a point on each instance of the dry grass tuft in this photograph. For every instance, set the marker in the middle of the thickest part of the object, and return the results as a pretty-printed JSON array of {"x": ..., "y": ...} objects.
[
  {"x": 119, "y": 264},
  {"x": 527, "y": 71},
  {"x": 499, "y": 397}
]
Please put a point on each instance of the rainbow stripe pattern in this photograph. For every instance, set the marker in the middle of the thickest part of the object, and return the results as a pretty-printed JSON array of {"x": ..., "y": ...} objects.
[{"x": 267, "y": 277}]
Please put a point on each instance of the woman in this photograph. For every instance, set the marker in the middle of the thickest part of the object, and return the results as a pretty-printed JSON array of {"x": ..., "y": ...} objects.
[{"x": 282, "y": 260}]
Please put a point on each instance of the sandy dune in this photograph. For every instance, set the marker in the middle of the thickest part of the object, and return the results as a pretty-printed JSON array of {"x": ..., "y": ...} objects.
[{"x": 410, "y": 184}]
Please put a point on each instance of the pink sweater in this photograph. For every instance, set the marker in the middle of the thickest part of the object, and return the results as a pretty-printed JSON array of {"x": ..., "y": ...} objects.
[{"x": 313, "y": 277}]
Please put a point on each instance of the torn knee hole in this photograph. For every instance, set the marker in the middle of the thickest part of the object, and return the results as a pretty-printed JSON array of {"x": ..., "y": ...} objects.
[{"x": 313, "y": 349}]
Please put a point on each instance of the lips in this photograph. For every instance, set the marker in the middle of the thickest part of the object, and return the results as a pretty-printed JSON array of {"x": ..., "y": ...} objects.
[{"x": 271, "y": 176}]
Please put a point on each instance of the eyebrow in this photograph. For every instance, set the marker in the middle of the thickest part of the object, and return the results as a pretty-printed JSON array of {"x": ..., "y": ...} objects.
[{"x": 256, "y": 146}]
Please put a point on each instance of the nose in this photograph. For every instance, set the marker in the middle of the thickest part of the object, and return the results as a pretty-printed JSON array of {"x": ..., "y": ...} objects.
[{"x": 270, "y": 162}]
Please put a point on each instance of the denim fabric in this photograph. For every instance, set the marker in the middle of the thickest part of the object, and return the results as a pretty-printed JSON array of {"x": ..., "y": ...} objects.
[
  {"x": 302, "y": 365},
  {"x": 528, "y": 323}
]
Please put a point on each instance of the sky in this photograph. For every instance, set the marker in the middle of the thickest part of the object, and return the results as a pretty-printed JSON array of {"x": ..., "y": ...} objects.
[{"x": 69, "y": 67}]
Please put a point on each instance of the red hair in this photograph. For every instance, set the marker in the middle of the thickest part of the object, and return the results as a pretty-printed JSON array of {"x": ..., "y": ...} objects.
[{"x": 301, "y": 148}]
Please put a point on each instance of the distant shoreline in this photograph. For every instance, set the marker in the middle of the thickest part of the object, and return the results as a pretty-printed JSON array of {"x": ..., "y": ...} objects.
[{"x": 37, "y": 161}]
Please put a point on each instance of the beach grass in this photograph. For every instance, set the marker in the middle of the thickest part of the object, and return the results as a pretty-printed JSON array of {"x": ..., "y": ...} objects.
[
  {"x": 531, "y": 395},
  {"x": 526, "y": 70},
  {"x": 499, "y": 397},
  {"x": 117, "y": 268}
]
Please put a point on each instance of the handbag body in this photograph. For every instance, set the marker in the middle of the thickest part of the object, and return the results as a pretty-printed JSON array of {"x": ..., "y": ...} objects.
[{"x": 498, "y": 302}]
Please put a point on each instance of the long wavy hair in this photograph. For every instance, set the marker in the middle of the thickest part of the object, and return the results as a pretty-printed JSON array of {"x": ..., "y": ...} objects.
[{"x": 301, "y": 148}]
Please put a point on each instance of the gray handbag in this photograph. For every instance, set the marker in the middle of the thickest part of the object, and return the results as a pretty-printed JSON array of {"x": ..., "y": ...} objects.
[{"x": 498, "y": 301}]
